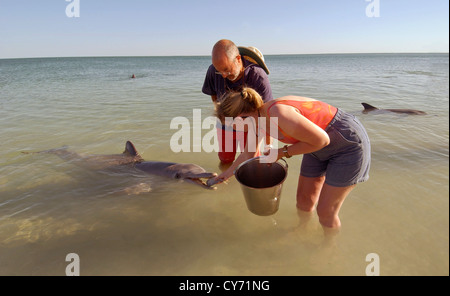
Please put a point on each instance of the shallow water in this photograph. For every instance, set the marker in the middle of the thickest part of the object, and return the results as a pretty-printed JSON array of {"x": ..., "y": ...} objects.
[{"x": 130, "y": 224}]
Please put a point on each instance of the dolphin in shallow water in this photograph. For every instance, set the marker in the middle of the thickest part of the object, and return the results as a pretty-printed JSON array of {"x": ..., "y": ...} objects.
[
  {"x": 130, "y": 158},
  {"x": 368, "y": 108}
]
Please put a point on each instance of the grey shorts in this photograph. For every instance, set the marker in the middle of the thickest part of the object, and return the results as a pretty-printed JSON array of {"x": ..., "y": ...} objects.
[{"x": 346, "y": 160}]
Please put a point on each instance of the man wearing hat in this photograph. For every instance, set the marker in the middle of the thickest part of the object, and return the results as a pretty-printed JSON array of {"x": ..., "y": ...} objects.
[{"x": 232, "y": 68}]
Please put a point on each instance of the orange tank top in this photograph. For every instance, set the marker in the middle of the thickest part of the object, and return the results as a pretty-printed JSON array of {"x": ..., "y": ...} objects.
[{"x": 317, "y": 112}]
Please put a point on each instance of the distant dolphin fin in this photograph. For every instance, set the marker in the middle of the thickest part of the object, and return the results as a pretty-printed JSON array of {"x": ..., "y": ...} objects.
[{"x": 368, "y": 107}]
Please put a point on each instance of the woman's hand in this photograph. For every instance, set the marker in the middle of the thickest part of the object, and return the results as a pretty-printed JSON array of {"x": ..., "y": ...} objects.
[
  {"x": 219, "y": 179},
  {"x": 228, "y": 173},
  {"x": 272, "y": 154}
]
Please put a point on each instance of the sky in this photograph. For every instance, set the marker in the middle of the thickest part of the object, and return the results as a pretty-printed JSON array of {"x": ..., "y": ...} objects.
[{"x": 53, "y": 28}]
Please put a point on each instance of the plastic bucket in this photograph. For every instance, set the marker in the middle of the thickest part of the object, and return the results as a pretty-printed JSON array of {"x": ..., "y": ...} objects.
[{"x": 261, "y": 184}]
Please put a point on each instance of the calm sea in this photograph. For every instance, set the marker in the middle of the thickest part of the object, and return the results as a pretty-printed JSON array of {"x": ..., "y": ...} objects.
[{"x": 121, "y": 224}]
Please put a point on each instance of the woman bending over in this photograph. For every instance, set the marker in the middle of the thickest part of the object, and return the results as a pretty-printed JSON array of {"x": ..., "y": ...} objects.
[{"x": 334, "y": 144}]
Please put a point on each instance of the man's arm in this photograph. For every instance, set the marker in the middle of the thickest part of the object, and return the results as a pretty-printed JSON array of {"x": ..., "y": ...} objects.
[{"x": 209, "y": 87}]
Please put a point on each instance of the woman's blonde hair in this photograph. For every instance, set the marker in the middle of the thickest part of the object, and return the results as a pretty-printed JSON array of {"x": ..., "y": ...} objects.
[{"x": 235, "y": 103}]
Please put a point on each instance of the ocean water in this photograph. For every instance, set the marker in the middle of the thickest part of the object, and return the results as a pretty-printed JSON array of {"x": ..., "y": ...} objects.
[{"x": 129, "y": 224}]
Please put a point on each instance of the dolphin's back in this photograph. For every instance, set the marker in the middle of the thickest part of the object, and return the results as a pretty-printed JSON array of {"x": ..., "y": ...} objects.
[
  {"x": 368, "y": 108},
  {"x": 156, "y": 168},
  {"x": 407, "y": 111}
]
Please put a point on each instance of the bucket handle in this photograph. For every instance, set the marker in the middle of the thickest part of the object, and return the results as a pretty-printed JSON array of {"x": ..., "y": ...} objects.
[
  {"x": 251, "y": 159},
  {"x": 285, "y": 162}
]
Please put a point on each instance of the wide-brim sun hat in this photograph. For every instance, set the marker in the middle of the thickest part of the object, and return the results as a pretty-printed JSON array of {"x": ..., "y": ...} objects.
[{"x": 253, "y": 55}]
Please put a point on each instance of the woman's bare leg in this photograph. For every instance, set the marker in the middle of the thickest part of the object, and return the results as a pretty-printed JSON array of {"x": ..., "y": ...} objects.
[
  {"x": 308, "y": 192},
  {"x": 330, "y": 201}
]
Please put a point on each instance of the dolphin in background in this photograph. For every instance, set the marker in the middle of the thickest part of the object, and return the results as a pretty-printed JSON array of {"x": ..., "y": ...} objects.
[
  {"x": 368, "y": 108},
  {"x": 130, "y": 158}
]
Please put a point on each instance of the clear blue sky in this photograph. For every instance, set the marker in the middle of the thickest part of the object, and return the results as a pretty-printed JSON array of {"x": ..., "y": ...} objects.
[{"x": 41, "y": 28}]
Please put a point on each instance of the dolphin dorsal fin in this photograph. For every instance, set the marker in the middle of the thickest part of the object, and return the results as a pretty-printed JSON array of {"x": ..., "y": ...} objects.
[
  {"x": 369, "y": 107},
  {"x": 130, "y": 149}
]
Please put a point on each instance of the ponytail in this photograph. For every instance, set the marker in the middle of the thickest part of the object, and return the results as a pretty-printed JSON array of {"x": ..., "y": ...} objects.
[
  {"x": 252, "y": 97},
  {"x": 234, "y": 103}
]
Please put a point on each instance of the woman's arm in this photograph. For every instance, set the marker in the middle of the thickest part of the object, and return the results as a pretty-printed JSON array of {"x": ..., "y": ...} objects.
[
  {"x": 230, "y": 171},
  {"x": 245, "y": 155}
]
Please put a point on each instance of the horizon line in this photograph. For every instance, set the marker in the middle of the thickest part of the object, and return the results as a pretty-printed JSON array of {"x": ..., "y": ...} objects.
[{"x": 167, "y": 56}]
